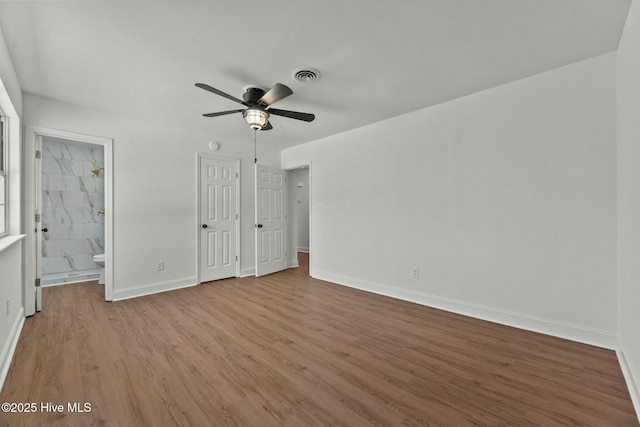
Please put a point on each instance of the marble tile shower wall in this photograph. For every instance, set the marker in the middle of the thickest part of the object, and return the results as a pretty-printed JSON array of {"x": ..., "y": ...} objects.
[{"x": 72, "y": 196}]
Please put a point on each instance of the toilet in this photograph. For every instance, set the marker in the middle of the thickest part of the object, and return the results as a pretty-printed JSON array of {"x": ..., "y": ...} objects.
[{"x": 99, "y": 259}]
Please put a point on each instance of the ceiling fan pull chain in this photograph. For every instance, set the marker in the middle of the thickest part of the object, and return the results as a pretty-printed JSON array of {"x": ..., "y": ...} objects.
[{"x": 255, "y": 150}]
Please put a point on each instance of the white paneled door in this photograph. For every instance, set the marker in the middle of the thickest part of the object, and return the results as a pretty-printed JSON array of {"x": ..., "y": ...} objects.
[
  {"x": 271, "y": 220},
  {"x": 218, "y": 218}
]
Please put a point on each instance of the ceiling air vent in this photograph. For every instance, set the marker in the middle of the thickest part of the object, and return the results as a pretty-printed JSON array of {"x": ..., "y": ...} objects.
[{"x": 306, "y": 75}]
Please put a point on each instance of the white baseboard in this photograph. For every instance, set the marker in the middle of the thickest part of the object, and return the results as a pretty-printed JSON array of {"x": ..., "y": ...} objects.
[
  {"x": 569, "y": 331},
  {"x": 152, "y": 288},
  {"x": 293, "y": 263},
  {"x": 304, "y": 250},
  {"x": 631, "y": 376},
  {"x": 10, "y": 346}
]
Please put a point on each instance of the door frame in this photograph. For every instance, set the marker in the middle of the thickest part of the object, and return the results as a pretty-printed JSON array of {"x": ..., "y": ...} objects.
[
  {"x": 236, "y": 160},
  {"x": 293, "y": 224},
  {"x": 32, "y": 133}
]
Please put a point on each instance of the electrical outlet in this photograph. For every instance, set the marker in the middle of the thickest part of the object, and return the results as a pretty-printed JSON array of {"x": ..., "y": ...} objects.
[
  {"x": 415, "y": 272},
  {"x": 159, "y": 265}
]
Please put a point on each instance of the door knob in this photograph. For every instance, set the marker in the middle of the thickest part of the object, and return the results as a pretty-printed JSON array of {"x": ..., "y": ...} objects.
[
  {"x": 45, "y": 229},
  {"x": 204, "y": 225},
  {"x": 259, "y": 225}
]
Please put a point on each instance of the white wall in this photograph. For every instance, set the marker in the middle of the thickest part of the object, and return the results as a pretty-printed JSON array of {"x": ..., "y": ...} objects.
[
  {"x": 11, "y": 319},
  {"x": 154, "y": 193},
  {"x": 9, "y": 80},
  {"x": 629, "y": 200},
  {"x": 505, "y": 200}
]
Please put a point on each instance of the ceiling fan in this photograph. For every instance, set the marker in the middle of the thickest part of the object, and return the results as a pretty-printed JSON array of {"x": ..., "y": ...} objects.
[{"x": 257, "y": 102}]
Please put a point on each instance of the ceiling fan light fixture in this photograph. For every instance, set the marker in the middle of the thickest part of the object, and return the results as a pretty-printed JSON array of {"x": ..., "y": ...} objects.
[{"x": 256, "y": 118}]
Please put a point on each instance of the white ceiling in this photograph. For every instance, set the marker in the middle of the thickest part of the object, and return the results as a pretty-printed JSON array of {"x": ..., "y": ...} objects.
[{"x": 378, "y": 58}]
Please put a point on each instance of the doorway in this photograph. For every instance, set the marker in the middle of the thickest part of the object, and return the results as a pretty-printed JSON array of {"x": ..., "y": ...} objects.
[
  {"x": 34, "y": 205},
  {"x": 300, "y": 213},
  {"x": 72, "y": 211}
]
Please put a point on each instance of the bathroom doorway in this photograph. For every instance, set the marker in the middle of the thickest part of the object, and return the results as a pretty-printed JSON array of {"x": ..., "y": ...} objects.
[
  {"x": 72, "y": 210},
  {"x": 71, "y": 187}
]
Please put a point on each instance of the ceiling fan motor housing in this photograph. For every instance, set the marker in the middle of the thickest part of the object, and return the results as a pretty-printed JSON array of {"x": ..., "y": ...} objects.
[{"x": 252, "y": 95}]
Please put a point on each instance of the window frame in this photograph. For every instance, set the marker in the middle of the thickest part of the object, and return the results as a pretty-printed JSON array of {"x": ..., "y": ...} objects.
[{"x": 4, "y": 204}]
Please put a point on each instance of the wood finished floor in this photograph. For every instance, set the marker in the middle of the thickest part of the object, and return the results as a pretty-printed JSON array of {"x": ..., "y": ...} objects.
[{"x": 288, "y": 350}]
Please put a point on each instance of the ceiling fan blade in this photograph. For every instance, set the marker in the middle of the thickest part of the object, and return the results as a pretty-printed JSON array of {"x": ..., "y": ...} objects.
[
  {"x": 305, "y": 117},
  {"x": 222, "y": 113},
  {"x": 267, "y": 126},
  {"x": 275, "y": 94},
  {"x": 219, "y": 92}
]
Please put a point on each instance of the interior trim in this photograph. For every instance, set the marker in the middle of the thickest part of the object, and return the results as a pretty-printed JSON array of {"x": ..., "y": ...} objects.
[{"x": 578, "y": 333}]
